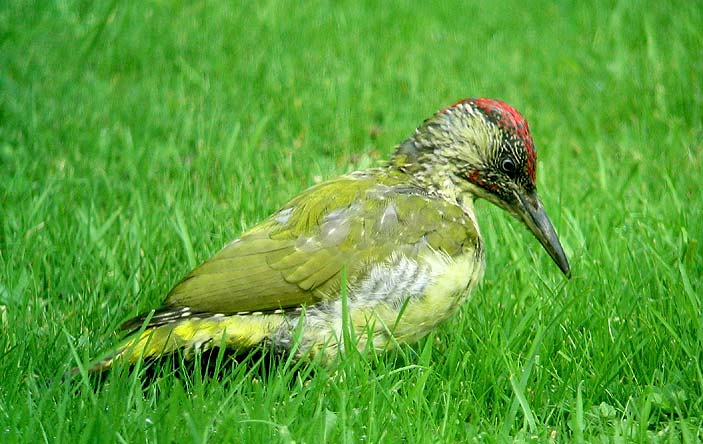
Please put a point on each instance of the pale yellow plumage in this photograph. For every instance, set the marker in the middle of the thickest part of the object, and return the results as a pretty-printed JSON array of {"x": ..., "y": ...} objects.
[{"x": 404, "y": 235}]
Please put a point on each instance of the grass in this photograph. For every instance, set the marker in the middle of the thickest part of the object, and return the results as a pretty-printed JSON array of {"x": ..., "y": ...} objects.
[{"x": 136, "y": 139}]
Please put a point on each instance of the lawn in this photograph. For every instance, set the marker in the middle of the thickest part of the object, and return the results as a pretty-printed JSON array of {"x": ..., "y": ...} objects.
[{"x": 138, "y": 138}]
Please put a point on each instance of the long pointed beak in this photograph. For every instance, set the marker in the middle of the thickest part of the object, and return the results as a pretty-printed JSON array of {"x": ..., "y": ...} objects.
[{"x": 530, "y": 210}]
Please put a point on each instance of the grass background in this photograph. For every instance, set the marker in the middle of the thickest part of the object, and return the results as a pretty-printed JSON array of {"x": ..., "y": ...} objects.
[{"x": 137, "y": 138}]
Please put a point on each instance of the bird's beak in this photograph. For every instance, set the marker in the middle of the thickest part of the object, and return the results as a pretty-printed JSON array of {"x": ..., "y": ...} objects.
[{"x": 530, "y": 210}]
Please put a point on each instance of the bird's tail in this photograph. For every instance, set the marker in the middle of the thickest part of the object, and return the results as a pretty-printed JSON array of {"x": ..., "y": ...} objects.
[{"x": 189, "y": 333}]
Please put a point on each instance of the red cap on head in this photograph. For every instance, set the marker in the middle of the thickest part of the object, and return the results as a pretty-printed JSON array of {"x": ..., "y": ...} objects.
[{"x": 508, "y": 119}]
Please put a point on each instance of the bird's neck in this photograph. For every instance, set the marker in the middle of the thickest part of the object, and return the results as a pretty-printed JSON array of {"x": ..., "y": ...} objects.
[{"x": 428, "y": 171}]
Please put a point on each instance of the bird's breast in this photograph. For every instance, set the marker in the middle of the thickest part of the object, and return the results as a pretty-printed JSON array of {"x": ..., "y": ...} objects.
[
  {"x": 451, "y": 283},
  {"x": 398, "y": 300}
]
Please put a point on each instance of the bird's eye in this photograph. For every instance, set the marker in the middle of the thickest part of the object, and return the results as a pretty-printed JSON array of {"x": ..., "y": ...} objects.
[{"x": 508, "y": 166}]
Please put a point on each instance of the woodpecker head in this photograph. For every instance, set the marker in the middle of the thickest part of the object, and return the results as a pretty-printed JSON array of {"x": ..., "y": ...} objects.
[{"x": 482, "y": 148}]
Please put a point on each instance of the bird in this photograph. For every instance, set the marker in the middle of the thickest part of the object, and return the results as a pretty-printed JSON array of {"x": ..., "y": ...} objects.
[{"x": 388, "y": 252}]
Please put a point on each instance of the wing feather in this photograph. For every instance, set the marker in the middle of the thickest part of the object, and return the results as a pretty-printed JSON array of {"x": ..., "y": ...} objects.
[{"x": 295, "y": 257}]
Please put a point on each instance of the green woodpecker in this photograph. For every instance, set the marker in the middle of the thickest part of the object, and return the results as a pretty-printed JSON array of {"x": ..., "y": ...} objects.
[{"x": 401, "y": 242}]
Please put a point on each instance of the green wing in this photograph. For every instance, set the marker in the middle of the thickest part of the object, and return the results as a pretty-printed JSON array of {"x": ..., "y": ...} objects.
[{"x": 296, "y": 256}]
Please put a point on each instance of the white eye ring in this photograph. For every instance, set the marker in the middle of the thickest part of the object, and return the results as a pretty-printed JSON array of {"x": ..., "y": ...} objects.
[{"x": 508, "y": 166}]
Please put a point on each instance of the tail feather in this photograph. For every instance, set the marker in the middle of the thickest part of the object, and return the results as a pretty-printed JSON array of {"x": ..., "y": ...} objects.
[{"x": 167, "y": 332}]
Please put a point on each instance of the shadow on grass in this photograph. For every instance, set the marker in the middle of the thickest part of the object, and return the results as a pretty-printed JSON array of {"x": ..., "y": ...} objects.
[{"x": 218, "y": 364}]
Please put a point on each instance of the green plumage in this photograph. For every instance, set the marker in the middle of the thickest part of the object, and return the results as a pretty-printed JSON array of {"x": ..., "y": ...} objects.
[
  {"x": 405, "y": 234},
  {"x": 285, "y": 265}
]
